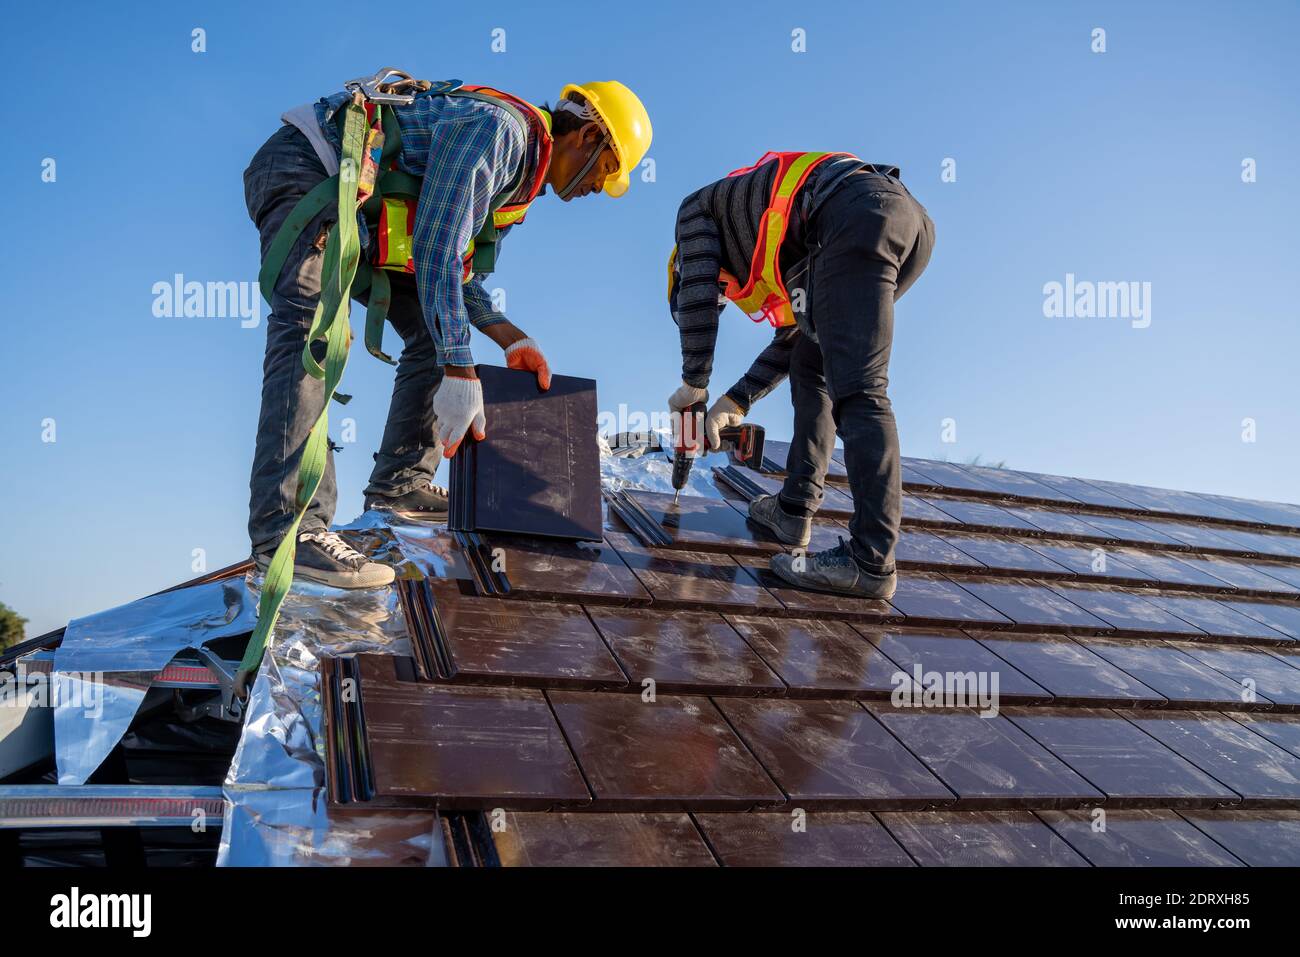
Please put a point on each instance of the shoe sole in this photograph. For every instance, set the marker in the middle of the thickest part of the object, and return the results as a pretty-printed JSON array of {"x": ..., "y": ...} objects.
[
  {"x": 348, "y": 581},
  {"x": 775, "y": 530},
  {"x": 828, "y": 589},
  {"x": 411, "y": 516},
  {"x": 433, "y": 518}
]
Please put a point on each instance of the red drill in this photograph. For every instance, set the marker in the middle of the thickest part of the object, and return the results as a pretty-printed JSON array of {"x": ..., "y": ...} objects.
[{"x": 747, "y": 441}]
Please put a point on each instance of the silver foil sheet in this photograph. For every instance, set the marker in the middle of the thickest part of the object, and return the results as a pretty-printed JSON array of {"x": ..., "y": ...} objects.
[
  {"x": 276, "y": 811},
  {"x": 652, "y": 470},
  {"x": 104, "y": 666}
]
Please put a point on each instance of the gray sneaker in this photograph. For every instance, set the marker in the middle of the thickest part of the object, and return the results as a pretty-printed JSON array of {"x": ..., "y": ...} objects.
[
  {"x": 766, "y": 511},
  {"x": 833, "y": 570},
  {"x": 428, "y": 504},
  {"x": 324, "y": 557}
]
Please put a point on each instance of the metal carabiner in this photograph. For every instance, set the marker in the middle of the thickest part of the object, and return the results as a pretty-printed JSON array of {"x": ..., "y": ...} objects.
[{"x": 370, "y": 87}]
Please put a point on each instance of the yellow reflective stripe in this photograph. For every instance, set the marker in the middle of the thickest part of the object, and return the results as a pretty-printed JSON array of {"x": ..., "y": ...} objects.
[
  {"x": 785, "y": 189},
  {"x": 764, "y": 281},
  {"x": 397, "y": 235},
  {"x": 508, "y": 216},
  {"x": 772, "y": 246}
]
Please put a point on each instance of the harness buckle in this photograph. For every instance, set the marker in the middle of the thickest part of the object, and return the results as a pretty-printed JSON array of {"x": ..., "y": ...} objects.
[
  {"x": 385, "y": 92},
  {"x": 234, "y": 690}
]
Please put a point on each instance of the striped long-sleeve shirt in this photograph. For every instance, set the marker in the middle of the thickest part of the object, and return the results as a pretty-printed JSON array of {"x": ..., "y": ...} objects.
[
  {"x": 717, "y": 228},
  {"x": 467, "y": 151}
]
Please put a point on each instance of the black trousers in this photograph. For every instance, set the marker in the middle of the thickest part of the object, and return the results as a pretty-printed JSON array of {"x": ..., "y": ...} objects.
[{"x": 869, "y": 242}]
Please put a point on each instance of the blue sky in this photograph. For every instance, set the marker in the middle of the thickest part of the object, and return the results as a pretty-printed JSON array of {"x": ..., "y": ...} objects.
[{"x": 1122, "y": 166}]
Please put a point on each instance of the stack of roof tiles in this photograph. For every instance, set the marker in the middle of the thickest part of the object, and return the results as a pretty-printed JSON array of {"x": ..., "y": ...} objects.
[{"x": 661, "y": 698}]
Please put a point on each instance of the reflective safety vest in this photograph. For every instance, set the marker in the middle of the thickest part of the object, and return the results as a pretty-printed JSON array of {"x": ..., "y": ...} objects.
[
  {"x": 387, "y": 197},
  {"x": 763, "y": 296},
  {"x": 396, "y": 224}
]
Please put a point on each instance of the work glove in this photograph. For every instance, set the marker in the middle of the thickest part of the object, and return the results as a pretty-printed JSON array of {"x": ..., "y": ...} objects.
[
  {"x": 458, "y": 407},
  {"x": 527, "y": 354},
  {"x": 723, "y": 414},
  {"x": 686, "y": 396},
  {"x": 681, "y": 400}
]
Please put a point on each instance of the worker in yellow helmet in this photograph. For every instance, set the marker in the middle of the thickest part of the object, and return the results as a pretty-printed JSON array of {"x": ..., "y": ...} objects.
[{"x": 469, "y": 161}]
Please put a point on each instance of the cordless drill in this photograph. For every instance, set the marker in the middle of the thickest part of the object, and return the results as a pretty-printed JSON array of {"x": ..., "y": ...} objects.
[{"x": 747, "y": 439}]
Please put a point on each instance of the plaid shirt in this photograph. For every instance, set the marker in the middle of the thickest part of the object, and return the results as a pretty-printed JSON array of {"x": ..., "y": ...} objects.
[{"x": 467, "y": 151}]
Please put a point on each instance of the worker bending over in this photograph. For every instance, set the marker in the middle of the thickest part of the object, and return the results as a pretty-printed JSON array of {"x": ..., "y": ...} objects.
[
  {"x": 473, "y": 158},
  {"x": 820, "y": 245}
]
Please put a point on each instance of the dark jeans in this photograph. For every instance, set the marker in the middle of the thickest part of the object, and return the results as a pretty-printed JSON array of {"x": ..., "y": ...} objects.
[
  {"x": 869, "y": 242},
  {"x": 282, "y": 171}
]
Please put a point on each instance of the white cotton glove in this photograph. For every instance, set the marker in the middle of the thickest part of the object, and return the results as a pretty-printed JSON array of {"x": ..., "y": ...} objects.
[
  {"x": 685, "y": 397},
  {"x": 458, "y": 407},
  {"x": 681, "y": 400},
  {"x": 723, "y": 414}
]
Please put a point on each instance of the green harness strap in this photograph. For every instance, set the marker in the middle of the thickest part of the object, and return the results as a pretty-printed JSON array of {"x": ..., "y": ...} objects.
[
  {"x": 330, "y": 323},
  {"x": 321, "y": 197}
]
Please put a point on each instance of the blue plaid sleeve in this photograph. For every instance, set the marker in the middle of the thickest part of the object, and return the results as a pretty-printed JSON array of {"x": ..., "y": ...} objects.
[
  {"x": 478, "y": 302},
  {"x": 471, "y": 158}
]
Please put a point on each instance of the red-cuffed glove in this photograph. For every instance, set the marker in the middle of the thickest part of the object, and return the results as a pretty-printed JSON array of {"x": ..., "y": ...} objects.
[{"x": 527, "y": 354}]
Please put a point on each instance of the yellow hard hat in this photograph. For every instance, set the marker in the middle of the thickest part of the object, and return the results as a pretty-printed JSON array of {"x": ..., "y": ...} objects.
[{"x": 626, "y": 121}]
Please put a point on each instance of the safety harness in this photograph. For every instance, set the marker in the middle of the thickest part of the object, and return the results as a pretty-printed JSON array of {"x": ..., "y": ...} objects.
[{"x": 386, "y": 197}]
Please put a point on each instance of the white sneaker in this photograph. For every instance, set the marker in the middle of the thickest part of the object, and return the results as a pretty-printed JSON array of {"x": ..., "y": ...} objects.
[{"x": 326, "y": 558}]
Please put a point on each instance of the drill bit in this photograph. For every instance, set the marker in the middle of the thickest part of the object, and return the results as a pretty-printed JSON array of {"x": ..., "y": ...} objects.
[{"x": 686, "y": 446}]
